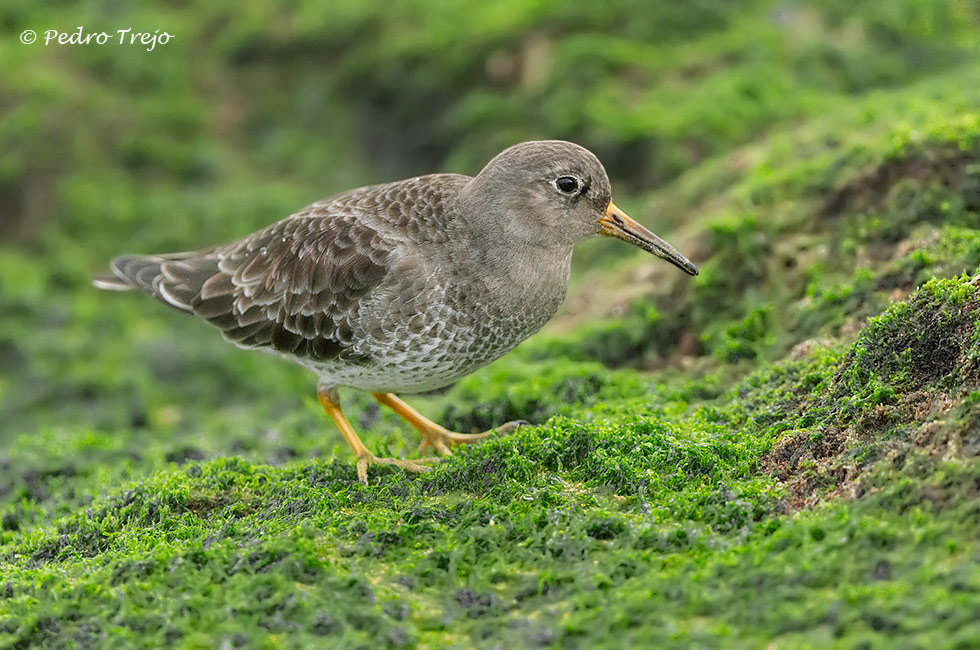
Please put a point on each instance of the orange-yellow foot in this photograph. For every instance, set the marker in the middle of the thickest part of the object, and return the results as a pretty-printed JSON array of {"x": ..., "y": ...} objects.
[
  {"x": 417, "y": 465},
  {"x": 441, "y": 439},
  {"x": 331, "y": 404},
  {"x": 434, "y": 435}
]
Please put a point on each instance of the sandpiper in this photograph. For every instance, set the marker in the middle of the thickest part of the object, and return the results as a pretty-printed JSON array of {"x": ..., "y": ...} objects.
[{"x": 403, "y": 287}]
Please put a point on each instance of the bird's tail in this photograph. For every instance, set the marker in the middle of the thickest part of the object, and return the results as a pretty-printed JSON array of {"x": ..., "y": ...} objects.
[
  {"x": 130, "y": 272},
  {"x": 154, "y": 275}
]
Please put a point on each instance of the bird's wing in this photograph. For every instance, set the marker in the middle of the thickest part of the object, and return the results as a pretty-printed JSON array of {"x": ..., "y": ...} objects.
[{"x": 295, "y": 286}]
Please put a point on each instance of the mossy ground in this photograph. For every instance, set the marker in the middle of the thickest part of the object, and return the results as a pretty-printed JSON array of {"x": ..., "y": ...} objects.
[{"x": 782, "y": 452}]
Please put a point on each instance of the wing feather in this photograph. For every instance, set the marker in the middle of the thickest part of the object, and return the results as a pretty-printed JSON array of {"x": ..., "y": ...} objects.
[
  {"x": 298, "y": 286},
  {"x": 295, "y": 286}
]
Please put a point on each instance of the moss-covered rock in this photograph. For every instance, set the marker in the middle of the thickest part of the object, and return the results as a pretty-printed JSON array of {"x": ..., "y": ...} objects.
[{"x": 782, "y": 452}]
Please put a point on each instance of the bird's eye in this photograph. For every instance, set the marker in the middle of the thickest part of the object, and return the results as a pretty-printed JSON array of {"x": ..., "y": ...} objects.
[{"x": 567, "y": 184}]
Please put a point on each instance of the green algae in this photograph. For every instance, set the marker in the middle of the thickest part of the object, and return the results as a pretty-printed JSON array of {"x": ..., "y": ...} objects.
[
  {"x": 779, "y": 453},
  {"x": 661, "y": 527}
]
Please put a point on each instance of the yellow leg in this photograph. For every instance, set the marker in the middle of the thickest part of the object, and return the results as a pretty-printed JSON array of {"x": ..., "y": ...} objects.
[
  {"x": 434, "y": 435},
  {"x": 331, "y": 404}
]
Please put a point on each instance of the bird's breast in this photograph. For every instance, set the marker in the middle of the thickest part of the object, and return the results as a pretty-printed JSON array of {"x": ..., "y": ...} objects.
[
  {"x": 486, "y": 311},
  {"x": 429, "y": 329}
]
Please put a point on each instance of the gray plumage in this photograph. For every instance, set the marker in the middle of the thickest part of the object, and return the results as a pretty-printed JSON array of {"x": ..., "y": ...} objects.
[{"x": 402, "y": 287}]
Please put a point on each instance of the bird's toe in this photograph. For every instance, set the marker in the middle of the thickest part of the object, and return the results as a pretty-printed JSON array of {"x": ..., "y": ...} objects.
[
  {"x": 512, "y": 426},
  {"x": 416, "y": 465}
]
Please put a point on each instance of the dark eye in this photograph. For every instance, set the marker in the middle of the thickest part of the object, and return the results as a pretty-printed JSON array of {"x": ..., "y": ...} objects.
[{"x": 567, "y": 184}]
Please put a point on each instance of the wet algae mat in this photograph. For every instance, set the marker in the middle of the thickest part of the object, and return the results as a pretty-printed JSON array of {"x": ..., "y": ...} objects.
[
  {"x": 824, "y": 499},
  {"x": 783, "y": 452}
]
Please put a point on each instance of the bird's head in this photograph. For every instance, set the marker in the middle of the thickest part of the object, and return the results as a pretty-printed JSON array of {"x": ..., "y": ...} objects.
[{"x": 554, "y": 194}]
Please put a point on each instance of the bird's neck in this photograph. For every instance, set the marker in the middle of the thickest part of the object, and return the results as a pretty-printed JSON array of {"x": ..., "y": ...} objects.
[
  {"x": 519, "y": 265},
  {"x": 517, "y": 274}
]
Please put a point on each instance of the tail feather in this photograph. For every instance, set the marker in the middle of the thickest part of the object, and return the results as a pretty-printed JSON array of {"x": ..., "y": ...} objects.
[
  {"x": 111, "y": 282},
  {"x": 137, "y": 270},
  {"x": 152, "y": 274}
]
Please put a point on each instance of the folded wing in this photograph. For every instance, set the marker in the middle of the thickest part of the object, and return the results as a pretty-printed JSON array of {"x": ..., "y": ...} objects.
[{"x": 296, "y": 286}]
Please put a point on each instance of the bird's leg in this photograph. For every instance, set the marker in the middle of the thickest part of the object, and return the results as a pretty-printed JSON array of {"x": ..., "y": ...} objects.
[
  {"x": 434, "y": 435},
  {"x": 331, "y": 404}
]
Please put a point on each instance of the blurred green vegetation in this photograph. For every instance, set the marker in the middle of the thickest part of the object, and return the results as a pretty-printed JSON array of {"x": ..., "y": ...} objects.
[{"x": 781, "y": 452}]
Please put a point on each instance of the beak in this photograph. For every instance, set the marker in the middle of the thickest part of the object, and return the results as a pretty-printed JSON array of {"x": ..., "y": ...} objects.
[{"x": 616, "y": 223}]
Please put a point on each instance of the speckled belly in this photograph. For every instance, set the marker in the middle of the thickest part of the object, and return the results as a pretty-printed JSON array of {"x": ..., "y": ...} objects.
[{"x": 459, "y": 335}]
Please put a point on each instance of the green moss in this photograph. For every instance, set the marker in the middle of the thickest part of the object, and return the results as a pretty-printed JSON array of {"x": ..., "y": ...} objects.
[
  {"x": 678, "y": 510},
  {"x": 742, "y": 339},
  {"x": 781, "y": 452},
  {"x": 916, "y": 343},
  {"x": 627, "y": 340}
]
